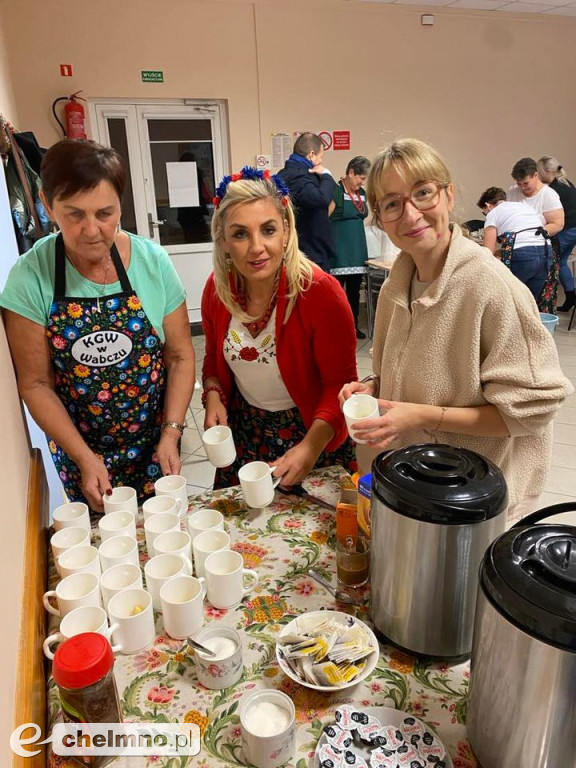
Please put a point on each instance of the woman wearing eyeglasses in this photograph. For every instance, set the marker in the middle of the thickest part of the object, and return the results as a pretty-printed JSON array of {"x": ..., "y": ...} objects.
[{"x": 460, "y": 354}]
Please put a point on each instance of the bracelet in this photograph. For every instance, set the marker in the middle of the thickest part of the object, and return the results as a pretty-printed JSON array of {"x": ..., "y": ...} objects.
[
  {"x": 443, "y": 409},
  {"x": 175, "y": 425},
  {"x": 371, "y": 377},
  {"x": 214, "y": 388}
]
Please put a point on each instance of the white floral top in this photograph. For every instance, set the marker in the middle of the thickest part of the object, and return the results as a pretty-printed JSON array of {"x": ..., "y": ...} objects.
[{"x": 255, "y": 366}]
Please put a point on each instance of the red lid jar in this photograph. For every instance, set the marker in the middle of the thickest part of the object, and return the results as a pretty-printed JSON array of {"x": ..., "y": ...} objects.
[{"x": 82, "y": 660}]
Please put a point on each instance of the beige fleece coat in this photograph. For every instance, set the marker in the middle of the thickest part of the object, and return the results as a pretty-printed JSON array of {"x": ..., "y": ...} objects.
[{"x": 474, "y": 337}]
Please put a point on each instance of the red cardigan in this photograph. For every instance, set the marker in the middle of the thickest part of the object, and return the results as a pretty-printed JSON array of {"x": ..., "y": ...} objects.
[{"x": 316, "y": 349}]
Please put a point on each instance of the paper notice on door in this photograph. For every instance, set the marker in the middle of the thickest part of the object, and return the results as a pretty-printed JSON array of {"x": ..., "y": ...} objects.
[
  {"x": 182, "y": 185},
  {"x": 281, "y": 149}
]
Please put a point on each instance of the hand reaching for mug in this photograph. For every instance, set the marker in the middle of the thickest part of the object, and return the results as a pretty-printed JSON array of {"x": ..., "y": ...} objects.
[
  {"x": 398, "y": 419},
  {"x": 95, "y": 481},
  {"x": 357, "y": 388},
  {"x": 296, "y": 464}
]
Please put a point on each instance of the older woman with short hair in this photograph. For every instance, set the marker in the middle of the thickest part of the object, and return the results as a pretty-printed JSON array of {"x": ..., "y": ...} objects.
[{"x": 99, "y": 334}]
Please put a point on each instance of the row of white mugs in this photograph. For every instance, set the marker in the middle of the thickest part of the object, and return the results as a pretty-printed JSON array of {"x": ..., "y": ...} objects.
[
  {"x": 92, "y": 576},
  {"x": 118, "y": 539},
  {"x": 130, "y": 607}
]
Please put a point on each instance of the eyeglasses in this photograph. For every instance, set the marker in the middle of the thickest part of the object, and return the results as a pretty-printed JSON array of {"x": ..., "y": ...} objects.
[{"x": 423, "y": 197}]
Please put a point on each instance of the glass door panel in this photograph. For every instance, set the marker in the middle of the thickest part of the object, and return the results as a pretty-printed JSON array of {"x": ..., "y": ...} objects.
[
  {"x": 119, "y": 141},
  {"x": 183, "y": 223}
]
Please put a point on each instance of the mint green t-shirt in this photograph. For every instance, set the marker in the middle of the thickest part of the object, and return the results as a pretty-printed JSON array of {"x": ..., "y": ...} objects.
[{"x": 29, "y": 289}]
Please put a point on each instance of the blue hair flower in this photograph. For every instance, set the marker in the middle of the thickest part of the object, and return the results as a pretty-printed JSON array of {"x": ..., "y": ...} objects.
[{"x": 250, "y": 174}]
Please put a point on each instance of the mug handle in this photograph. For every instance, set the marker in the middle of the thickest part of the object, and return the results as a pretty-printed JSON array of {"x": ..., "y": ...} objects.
[
  {"x": 179, "y": 506},
  {"x": 202, "y": 581},
  {"x": 275, "y": 481},
  {"x": 108, "y": 635},
  {"x": 49, "y": 607},
  {"x": 253, "y": 576},
  {"x": 57, "y": 637},
  {"x": 187, "y": 563}
]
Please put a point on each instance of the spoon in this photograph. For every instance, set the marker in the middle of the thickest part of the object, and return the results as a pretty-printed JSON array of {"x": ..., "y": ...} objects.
[
  {"x": 342, "y": 597},
  {"x": 200, "y": 647}
]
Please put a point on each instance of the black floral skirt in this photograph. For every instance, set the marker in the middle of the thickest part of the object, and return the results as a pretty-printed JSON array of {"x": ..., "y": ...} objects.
[{"x": 261, "y": 435}]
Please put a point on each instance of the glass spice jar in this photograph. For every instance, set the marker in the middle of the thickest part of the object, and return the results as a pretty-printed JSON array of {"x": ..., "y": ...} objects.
[{"x": 83, "y": 670}]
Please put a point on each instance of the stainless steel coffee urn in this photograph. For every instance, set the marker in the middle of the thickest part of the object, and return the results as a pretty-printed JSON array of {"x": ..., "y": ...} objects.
[
  {"x": 522, "y": 704},
  {"x": 435, "y": 510}
]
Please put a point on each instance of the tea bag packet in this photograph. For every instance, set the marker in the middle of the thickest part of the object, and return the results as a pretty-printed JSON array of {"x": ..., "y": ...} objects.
[{"x": 338, "y": 650}]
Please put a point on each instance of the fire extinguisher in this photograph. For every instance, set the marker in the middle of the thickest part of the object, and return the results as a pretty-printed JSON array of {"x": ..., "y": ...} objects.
[{"x": 74, "y": 114}]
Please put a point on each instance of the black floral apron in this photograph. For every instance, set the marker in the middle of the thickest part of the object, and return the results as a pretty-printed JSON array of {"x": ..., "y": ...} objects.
[
  {"x": 546, "y": 301},
  {"x": 109, "y": 373}
]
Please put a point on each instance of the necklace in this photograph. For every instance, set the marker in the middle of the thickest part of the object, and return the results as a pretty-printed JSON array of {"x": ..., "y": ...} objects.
[
  {"x": 103, "y": 285},
  {"x": 358, "y": 203},
  {"x": 256, "y": 325}
]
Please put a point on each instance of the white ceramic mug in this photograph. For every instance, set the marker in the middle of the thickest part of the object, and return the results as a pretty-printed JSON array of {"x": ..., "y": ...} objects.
[
  {"x": 359, "y": 408},
  {"x": 205, "y": 519},
  {"x": 122, "y": 497},
  {"x": 131, "y": 615},
  {"x": 157, "y": 524},
  {"x": 82, "y": 559},
  {"x": 225, "y": 668},
  {"x": 87, "y": 618},
  {"x": 73, "y": 592},
  {"x": 65, "y": 539},
  {"x": 267, "y": 722},
  {"x": 225, "y": 574},
  {"x": 182, "y": 600},
  {"x": 120, "y": 523},
  {"x": 204, "y": 544},
  {"x": 119, "y": 577},
  {"x": 73, "y": 514},
  {"x": 174, "y": 486},
  {"x": 219, "y": 446},
  {"x": 161, "y": 504},
  {"x": 118, "y": 550},
  {"x": 160, "y": 569},
  {"x": 257, "y": 484},
  {"x": 175, "y": 543}
]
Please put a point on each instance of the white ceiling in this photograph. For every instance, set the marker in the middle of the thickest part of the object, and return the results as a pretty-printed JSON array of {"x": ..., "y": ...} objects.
[{"x": 542, "y": 7}]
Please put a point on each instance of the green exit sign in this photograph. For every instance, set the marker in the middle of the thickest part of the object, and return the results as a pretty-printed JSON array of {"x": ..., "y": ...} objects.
[{"x": 152, "y": 76}]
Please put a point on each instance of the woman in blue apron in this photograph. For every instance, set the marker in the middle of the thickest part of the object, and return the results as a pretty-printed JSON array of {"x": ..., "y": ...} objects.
[{"x": 98, "y": 329}]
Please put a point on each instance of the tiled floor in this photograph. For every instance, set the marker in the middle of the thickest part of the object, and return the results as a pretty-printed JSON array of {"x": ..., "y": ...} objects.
[{"x": 561, "y": 484}]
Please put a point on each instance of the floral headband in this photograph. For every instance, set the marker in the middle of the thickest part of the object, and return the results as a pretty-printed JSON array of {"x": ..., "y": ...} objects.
[{"x": 250, "y": 174}]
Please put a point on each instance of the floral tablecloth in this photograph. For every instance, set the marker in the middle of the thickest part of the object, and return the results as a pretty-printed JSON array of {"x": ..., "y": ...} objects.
[{"x": 281, "y": 543}]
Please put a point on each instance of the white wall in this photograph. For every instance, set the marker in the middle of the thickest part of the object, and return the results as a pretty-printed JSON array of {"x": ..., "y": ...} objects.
[{"x": 8, "y": 255}]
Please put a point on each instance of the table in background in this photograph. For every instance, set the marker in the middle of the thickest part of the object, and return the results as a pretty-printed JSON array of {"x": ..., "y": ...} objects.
[
  {"x": 378, "y": 271},
  {"x": 281, "y": 542}
]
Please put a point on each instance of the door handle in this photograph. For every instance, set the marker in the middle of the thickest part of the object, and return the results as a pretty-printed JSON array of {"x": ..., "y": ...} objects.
[{"x": 152, "y": 223}]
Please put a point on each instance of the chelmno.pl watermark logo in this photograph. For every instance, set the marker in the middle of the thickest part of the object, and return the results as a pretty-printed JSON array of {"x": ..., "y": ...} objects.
[{"x": 95, "y": 739}]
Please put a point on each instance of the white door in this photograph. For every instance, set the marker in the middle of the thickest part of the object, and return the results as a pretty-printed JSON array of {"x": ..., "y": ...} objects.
[{"x": 176, "y": 154}]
